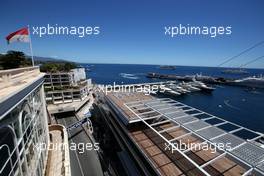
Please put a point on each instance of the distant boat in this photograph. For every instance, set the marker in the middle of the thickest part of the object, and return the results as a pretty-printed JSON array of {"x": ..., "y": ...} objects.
[
  {"x": 206, "y": 79},
  {"x": 88, "y": 69},
  {"x": 154, "y": 75},
  {"x": 169, "y": 91},
  {"x": 167, "y": 67},
  {"x": 253, "y": 81},
  {"x": 189, "y": 87},
  {"x": 235, "y": 71},
  {"x": 178, "y": 88},
  {"x": 128, "y": 76}
]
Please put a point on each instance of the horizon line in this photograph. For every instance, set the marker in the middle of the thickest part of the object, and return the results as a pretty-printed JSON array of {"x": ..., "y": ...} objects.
[{"x": 69, "y": 60}]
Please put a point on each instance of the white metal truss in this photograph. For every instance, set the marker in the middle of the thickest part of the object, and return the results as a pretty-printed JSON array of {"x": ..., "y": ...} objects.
[
  {"x": 208, "y": 132},
  {"x": 160, "y": 122},
  {"x": 183, "y": 154},
  {"x": 181, "y": 136},
  {"x": 168, "y": 129},
  {"x": 147, "y": 112}
]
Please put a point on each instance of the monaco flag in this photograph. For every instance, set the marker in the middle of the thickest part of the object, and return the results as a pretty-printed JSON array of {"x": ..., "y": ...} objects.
[{"x": 22, "y": 35}]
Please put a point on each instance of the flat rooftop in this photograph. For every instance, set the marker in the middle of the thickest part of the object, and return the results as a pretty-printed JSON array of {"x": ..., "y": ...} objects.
[
  {"x": 121, "y": 99},
  {"x": 16, "y": 85},
  {"x": 14, "y": 80},
  {"x": 171, "y": 136}
]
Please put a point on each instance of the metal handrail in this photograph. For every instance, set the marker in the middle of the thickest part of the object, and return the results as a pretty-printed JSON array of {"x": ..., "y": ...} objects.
[{"x": 9, "y": 158}]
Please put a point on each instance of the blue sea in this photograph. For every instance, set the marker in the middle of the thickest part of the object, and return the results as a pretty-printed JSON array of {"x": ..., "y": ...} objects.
[{"x": 240, "y": 105}]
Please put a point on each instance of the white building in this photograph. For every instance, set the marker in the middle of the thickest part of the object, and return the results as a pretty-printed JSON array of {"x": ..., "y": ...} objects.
[
  {"x": 66, "y": 87},
  {"x": 24, "y": 124}
]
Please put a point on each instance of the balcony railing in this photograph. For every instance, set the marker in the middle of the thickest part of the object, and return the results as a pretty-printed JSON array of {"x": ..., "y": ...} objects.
[
  {"x": 58, "y": 158},
  {"x": 15, "y": 76}
]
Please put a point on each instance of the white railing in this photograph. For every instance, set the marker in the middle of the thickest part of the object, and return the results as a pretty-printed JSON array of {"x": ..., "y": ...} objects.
[
  {"x": 9, "y": 160},
  {"x": 66, "y": 167},
  {"x": 14, "y": 76}
]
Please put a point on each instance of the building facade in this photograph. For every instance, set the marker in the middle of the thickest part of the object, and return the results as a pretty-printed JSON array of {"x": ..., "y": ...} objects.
[
  {"x": 23, "y": 122},
  {"x": 66, "y": 87}
]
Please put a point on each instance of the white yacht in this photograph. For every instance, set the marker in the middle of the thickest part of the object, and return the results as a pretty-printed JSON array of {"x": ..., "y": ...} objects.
[
  {"x": 201, "y": 85},
  {"x": 189, "y": 87},
  {"x": 253, "y": 81},
  {"x": 178, "y": 88},
  {"x": 169, "y": 91}
]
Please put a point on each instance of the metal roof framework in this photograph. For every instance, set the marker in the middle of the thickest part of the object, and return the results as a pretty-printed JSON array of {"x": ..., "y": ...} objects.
[{"x": 243, "y": 151}]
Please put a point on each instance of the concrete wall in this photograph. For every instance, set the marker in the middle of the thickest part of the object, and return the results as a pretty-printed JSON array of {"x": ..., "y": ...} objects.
[{"x": 78, "y": 74}]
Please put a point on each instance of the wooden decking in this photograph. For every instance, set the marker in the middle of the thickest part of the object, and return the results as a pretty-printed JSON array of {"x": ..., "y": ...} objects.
[
  {"x": 120, "y": 99},
  {"x": 166, "y": 162},
  {"x": 170, "y": 163}
]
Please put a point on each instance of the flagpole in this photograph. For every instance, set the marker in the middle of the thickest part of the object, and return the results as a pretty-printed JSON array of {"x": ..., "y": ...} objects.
[{"x": 30, "y": 44}]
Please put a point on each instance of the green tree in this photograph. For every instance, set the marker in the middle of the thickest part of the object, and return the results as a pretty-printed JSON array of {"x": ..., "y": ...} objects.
[
  {"x": 14, "y": 59},
  {"x": 69, "y": 65},
  {"x": 54, "y": 67}
]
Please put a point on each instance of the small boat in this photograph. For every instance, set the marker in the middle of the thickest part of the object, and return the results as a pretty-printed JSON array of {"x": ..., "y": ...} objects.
[
  {"x": 128, "y": 76},
  {"x": 206, "y": 79},
  {"x": 189, "y": 87},
  {"x": 168, "y": 91},
  {"x": 168, "y": 67},
  {"x": 172, "y": 92},
  {"x": 178, "y": 88},
  {"x": 148, "y": 92}
]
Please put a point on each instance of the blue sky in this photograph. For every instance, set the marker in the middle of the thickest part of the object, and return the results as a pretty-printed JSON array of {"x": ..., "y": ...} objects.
[{"x": 133, "y": 31}]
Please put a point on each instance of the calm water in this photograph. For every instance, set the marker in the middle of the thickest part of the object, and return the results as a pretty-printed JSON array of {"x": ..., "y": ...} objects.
[{"x": 236, "y": 104}]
